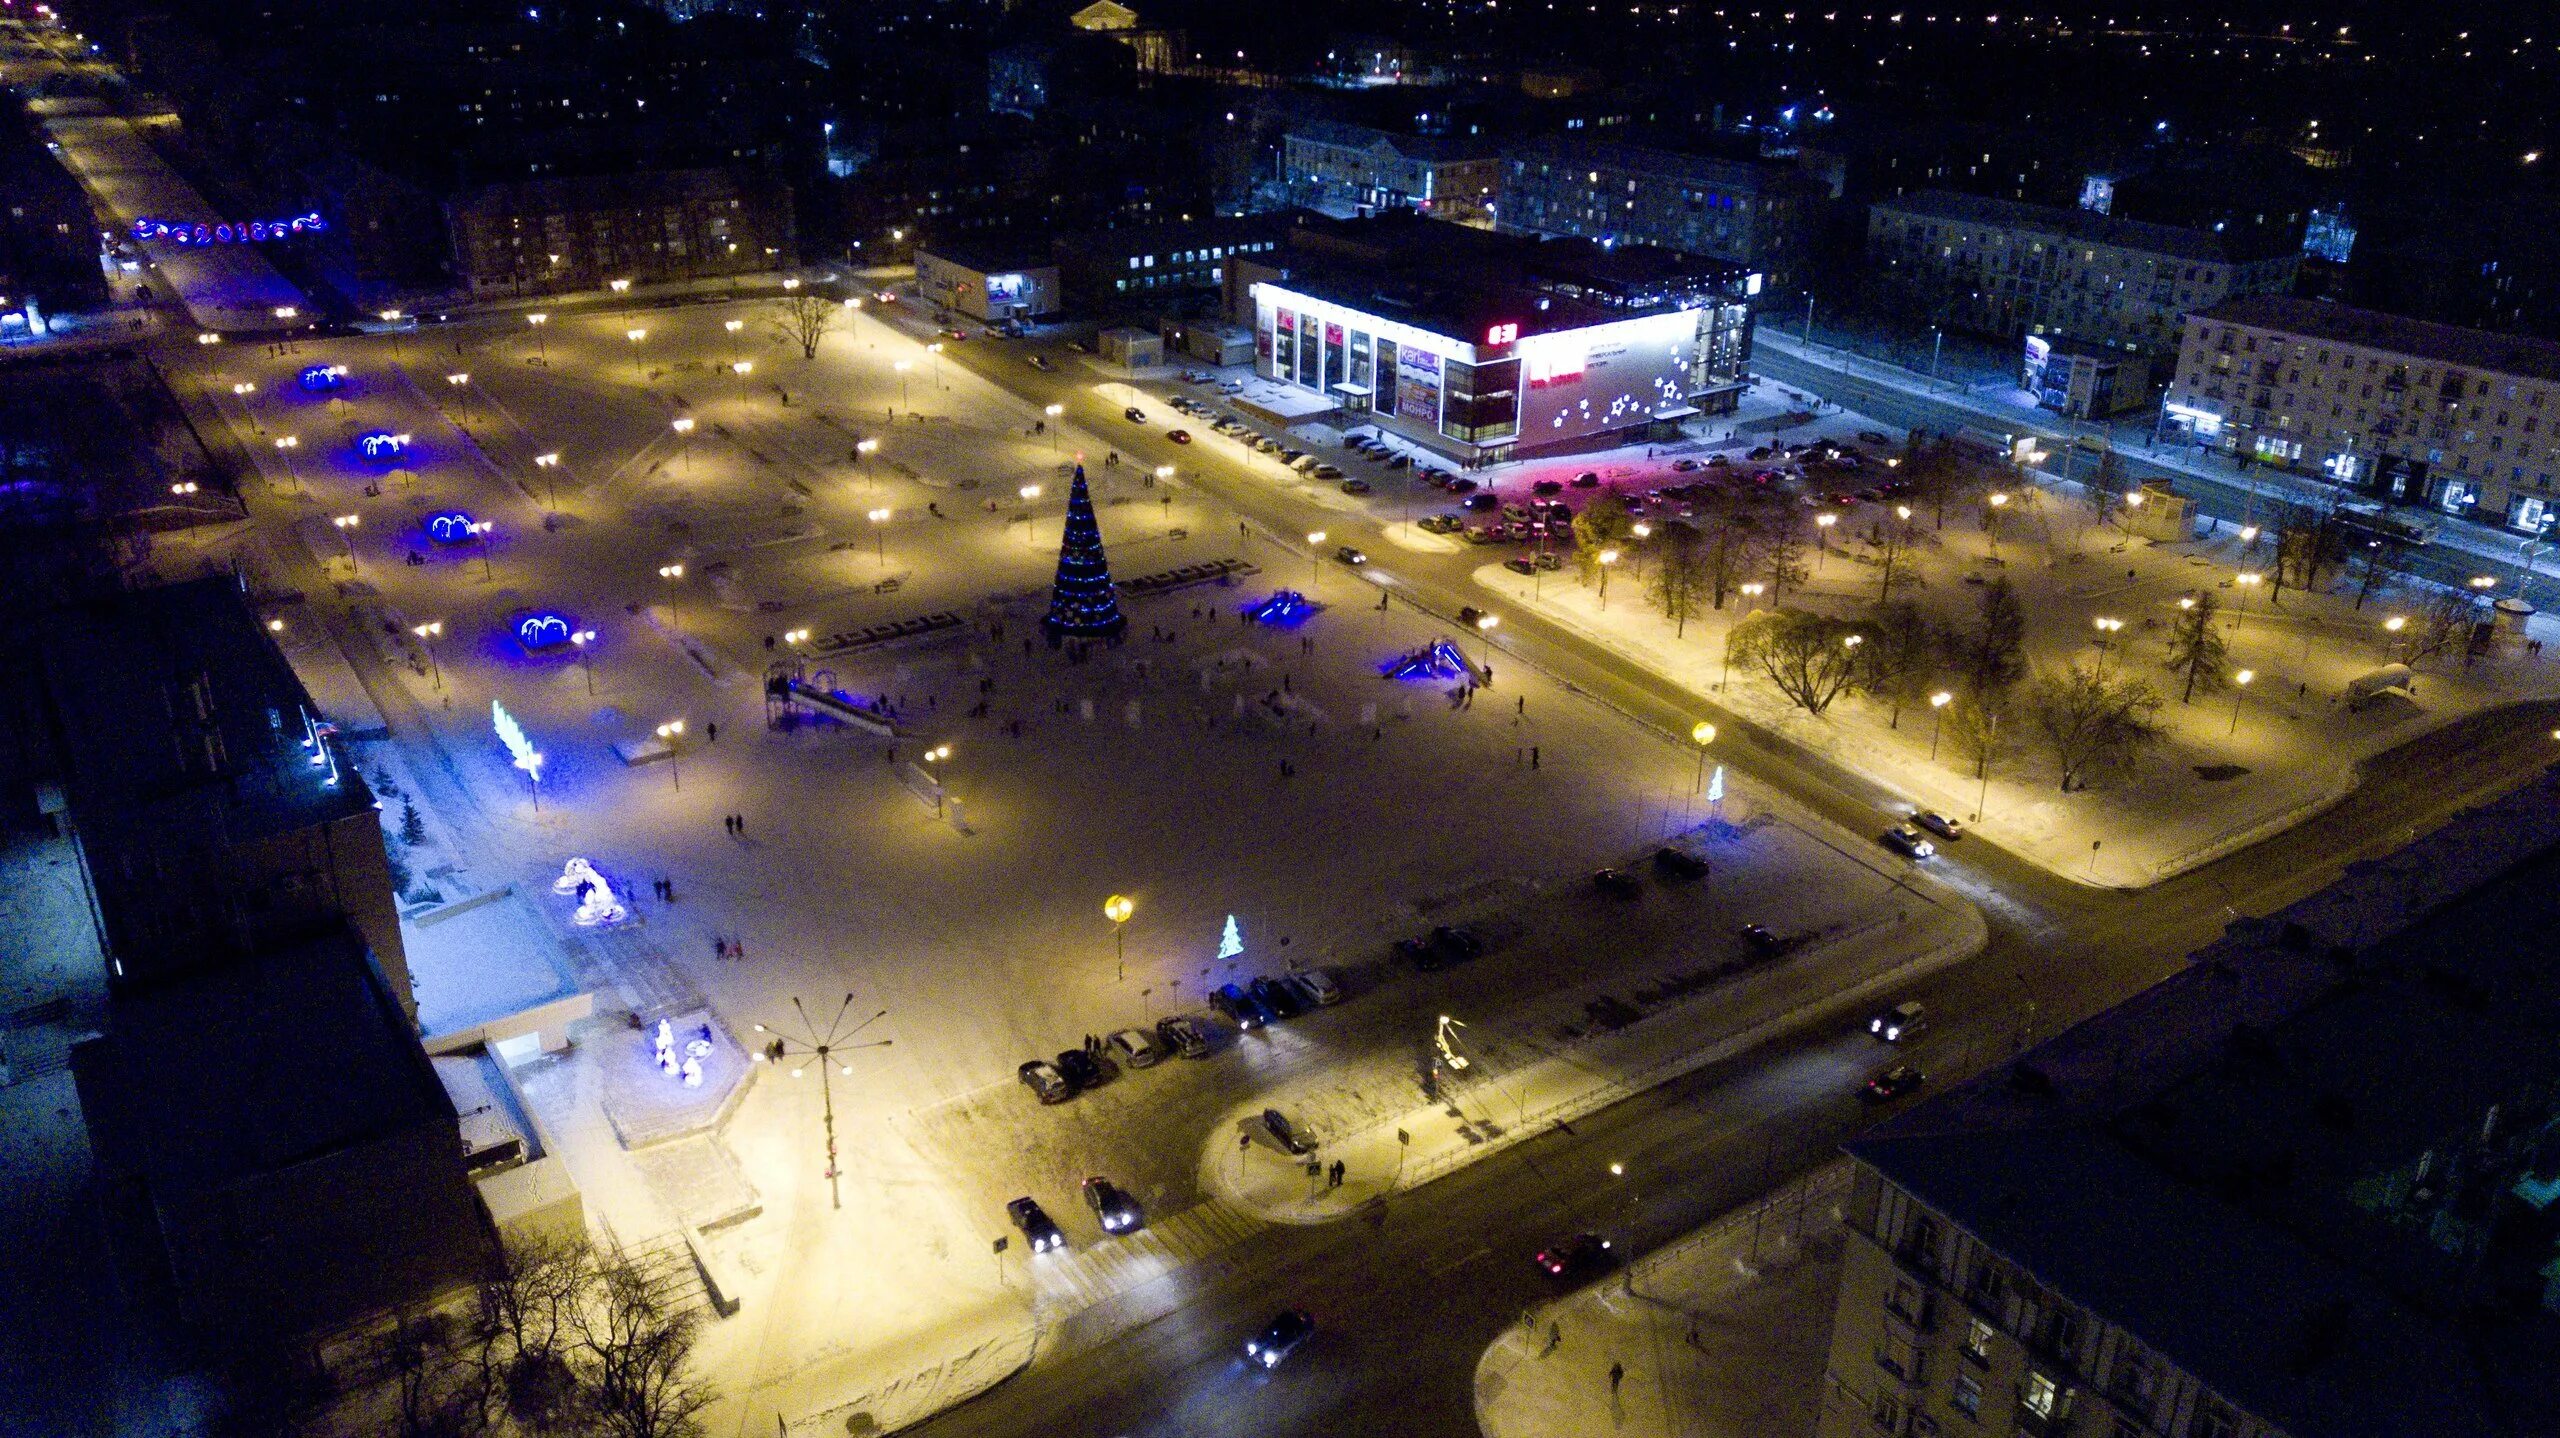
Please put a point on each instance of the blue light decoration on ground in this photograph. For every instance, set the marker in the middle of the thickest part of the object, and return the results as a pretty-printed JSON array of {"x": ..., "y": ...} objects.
[
  {"x": 1083, "y": 604},
  {"x": 541, "y": 631},
  {"x": 1436, "y": 663},
  {"x": 1285, "y": 609},
  {"x": 381, "y": 446},
  {"x": 185, "y": 232},
  {"x": 448, "y": 526},
  {"x": 322, "y": 378}
]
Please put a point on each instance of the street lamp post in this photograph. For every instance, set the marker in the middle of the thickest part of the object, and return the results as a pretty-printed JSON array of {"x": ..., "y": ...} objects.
[
  {"x": 1702, "y": 734},
  {"x": 879, "y": 537},
  {"x": 585, "y": 640},
  {"x": 286, "y": 444},
  {"x": 392, "y": 318},
  {"x": 1752, "y": 592},
  {"x": 674, "y": 574},
  {"x": 241, "y": 392},
  {"x": 1608, "y": 561},
  {"x": 901, "y": 367},
  {"x": 2107, "y": 629},
  {"x": 480, "y": 530},
  {"x": 1937, "y": 719},
  {"x": 635, "y": 335},
  {"x": 1029, "y": 492},
  {"x": 939, "y": 754},
  {"x": 684, "y": 449},
  {"x": 2247, "y": 579},
  {"x": 1052, "y": 412},
  {"x": 549, "y": 464},
  {"x": 1117, "y": 909},
  {"x": 1485, "y": 625},
  {"x": 2239, "y": 686},
  {"x": 672, "y": 731},
  {"x": 1315, "y": 558},
  {"x": 1998, "y": 500},
  {"x": 826, "y": 1049},
  {"x": 541, "y": 350},
  {"x": 1822, "y": 537},
  {"x": 347, "y": 525},
  {"x": 935, "y": 350},
  {"x": 427, "y": 634},
  {"x": 462, "y": 382},
  {"x": 1642, "y": 532}
]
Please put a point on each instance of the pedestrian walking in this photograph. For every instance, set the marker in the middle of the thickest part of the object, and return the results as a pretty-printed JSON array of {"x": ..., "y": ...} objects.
[
  {"x": 712, "y": 730},
  {"x": 1533, "y": 756},
  {"x": 1520, "y": 705},
  {"x": 719, "y": 948},
  {"x": 1617, "y": 1375},
  {"x": 738, "y": 950}
]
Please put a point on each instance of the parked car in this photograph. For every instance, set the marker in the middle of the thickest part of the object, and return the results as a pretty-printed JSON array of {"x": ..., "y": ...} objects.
[
  {"x": 1304, "y": 463},
  {"x": 1137, "y": 1048},
  {"x": 1194, "y": 376},
  {"x": 1082, "y": 1069},
  {"x": 1938, "y": 824},
  {"x": 1618, "y": 883},
  {"x": 1906, "y": 1020},
  {"x": 1440, "y": 948},
  {"x": 1874, "y": 436},
  {"x": 955, "y": 336},
  {"x": 1321, "y": 986},
  {"x": 1761, "y": 452},
  {"x": 1547, "y": 486},
  {"x": 1279, "y": 1338},
  {"x": 1037, "y": 1226},
  {"x": 1239, "y": 1008},
  {"x": 1439, "y": 524},
  {"x": 1685, "y": 466},
  {"x": 1758, "y": 939},
  {"x": 1038, "y": 361},
  {"x": 1904, "y": 839},
  {"x": 1326, "y": 471},
  {"x": 1351, "y": 556},
  {"x": 1478, "y": 503},
  {"x": 1892, "y": 1084},
  {"x": 1521, "y": 564},
  {"x": 1184, "y": 1035},
  {"x": 1582, "y": 1253},
  {"x": 1265, "y": 444},
  {"x": 1112, "y": 1206},
  {"x": 1460, "y": 484},
  {"x": 1677, "y": 863},
  {"x": 1135, "y": 414},
  {"x": 1399, "y": 461},
  {"x": 1549, "y": 560},
  {"x": 1044, "y": 1081},
  {"x": 1588, "y": 479},
  {"x": 1277, "y": 996},
  {"x": 1178, "y": 436}
]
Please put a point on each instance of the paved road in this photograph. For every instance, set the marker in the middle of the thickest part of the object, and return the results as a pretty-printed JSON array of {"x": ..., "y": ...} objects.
[{"x": 1408, "y": 1298}]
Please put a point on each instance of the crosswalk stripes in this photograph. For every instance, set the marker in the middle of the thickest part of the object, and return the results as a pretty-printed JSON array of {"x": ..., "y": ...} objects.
[{"x": 1081, "y": 1278}]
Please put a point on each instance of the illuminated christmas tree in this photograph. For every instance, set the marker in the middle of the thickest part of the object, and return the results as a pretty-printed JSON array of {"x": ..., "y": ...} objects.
[{"x": 1083, "y": 604}]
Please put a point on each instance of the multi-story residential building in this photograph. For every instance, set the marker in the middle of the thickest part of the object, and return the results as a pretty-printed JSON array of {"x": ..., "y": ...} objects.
[
  {"x": 536, "y": 236},
  {"x": 2307, "y": 1187},
  {"x": 1343, "y": 170},
  {"x": 1759, "y": 214},
  {"x": 1998, "y": 267},
  {"x": 2418, "y": 413},
  {"x": 1151, "y": 268}
]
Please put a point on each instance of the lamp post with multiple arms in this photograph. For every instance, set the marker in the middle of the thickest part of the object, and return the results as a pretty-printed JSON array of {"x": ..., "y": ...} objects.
[
  {"x": 427, "y": 634},
  {"x": 541, "y": 350},
  {"x": 827, "y": 1048}
]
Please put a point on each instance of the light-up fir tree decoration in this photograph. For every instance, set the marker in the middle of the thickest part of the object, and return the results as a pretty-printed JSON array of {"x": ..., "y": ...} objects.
[
  {"x": 1083, "y": 604},
  {"x": 1231, "y": 943}
]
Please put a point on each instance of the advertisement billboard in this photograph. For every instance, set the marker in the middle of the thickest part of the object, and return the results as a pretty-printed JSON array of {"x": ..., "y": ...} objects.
[{"x": 1591, "y": 381}]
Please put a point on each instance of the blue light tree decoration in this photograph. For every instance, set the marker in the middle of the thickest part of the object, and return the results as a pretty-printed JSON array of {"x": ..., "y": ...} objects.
[
  {"x": 527, "y": 758},
  {"x": 1083, "y": 604},
  {"x": 1231, "y": 943}
]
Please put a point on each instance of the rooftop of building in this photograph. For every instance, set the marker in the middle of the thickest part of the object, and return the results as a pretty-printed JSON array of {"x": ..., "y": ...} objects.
[
  {"x": 2521, "y": 355},
  {"x": 1431, "y": 149},
  {"x": 1177, "y": 234},
  {"x": 569, "y": 194},
  {"x": 177, "y": 709},
  {"x": 1460, "y": 282},
  {"x": 990, "y": 254},
  {"x": 1684, "y": 165},
  {"x": 236, "y": 1099},
  {"x": 2085, "y": 226},
  {"x": 2317, "y": 1167}
]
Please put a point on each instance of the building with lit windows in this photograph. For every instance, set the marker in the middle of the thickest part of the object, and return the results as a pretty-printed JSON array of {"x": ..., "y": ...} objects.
[
  {"x": 2462, "y": 421},
  {"x": 539, "y": 236},
  {"x": 1151, "y": 269},
  {"x": 2002, "y": 268},
  {"x": 2306, "y": 1187},
  {"x": 1482, "y": 346},
  {"x": 1343, "y": 170},
  {"x": 988, "y": 280},
  {"x": 1759, "y": 214}
]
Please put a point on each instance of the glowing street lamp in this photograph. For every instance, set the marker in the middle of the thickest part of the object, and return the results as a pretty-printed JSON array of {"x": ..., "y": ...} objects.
[
  {"x": 619, "y": 287},
  {"x": 684, "y": 431},
  {"x": 733, "y": 326},
  {"x": 541, "y": 350},
  {"x": 1937, "y": 719},
  {"x": 1608, "y": 560},
  {"x": 1822, "y": 537},
  {"x": 208, "y": 337},
  {"x": 743, "y": 368},
  {"x": 901, "y": 367},
  {"x": 241, "y": 392},
  {"x": 823, "y": 1047},
  {"x": 2239, "y": 686},
  {"x": 1999, "y": 500},
  {"x": 1117, "y": 909},
  {"x": 1702, "y": 734},
  {"x": 937, "y": 755},
  {"x": 462, "y": 382},
  {"x": 347, "y": 525},
  {"x": 935, "y": 350},
  {"x": 635, "y": 335},
  {"x": 671, "y": 732},
  {"x": 674, "y": 574},
  {"x": 585, "y": 640},
  {"x": 795, "y": 636},
  {"x": 1485, "y": 625},
  {"x": 1053, "y": 411},
  {"x": 427, "y": 634},
  {"x": 879, "y": 536},
  {"x": 286, "y": 444},
  {"x": 2107, "y": 629},
  {"x": 549, "y": 464},
  {"x": 1029, "y": 492},
  {"x": 2247, "y": 579},
  {"x": 1315, "y": 559}
]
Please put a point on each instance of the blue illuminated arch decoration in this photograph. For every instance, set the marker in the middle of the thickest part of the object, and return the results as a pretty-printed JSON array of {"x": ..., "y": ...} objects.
[
  {"x": 322, "y": 378},
  {"x": 381, "y": 446},
  {"x": 183, "y": 232},
  {"x": 448, "y": 526},
  {"x": 542, "y": 630}
]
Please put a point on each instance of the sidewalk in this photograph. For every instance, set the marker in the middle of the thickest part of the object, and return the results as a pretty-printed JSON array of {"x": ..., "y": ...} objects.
[
  {"x": 1485, "y": 1109},
  {"x": 1720, "y": 1335}
]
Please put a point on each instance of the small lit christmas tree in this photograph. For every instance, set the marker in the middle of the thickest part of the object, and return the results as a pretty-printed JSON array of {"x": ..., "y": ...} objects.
[
  {"x": 1231, "y": 943},
  {"x": 1084, "y": 604}
]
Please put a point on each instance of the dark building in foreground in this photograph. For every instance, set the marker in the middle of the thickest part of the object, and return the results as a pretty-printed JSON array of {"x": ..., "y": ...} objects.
[
  {"x": 2307, "y": 1188},
  {"x": 533, "y": 236},
  {"x": 275, "y": 1154},
  {"x": 1482, "y": 345}
]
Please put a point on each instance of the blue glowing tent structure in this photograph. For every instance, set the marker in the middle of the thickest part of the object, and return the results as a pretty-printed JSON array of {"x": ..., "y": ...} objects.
[
  {"x": 448, "y": 526},
  {"x": 1083, "y": 604},
  {"x": 1284, "y": 608},
  {"x": 1438, "y": 662}
]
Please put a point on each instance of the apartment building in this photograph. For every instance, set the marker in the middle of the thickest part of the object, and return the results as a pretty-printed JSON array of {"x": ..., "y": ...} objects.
[
  {"x": 1343, "y": 170},
  {"x": 1754, "y": 213},
  {"x": 540, "y": 236},
  {"x": 1998, "y": 267},
  {"x": 2461, "y": 420},
  {"x": 2307, "y": 1187}
]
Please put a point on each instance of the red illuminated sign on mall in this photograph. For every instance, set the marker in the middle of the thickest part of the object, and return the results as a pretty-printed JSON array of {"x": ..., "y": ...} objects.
[{"x": 1501, "y": 335}]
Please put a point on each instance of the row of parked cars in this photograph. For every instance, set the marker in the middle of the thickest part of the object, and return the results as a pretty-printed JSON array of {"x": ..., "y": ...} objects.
[{"x": 1267, "y": 1000}]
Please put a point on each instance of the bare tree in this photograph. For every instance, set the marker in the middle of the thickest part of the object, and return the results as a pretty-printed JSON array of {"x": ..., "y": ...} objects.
[
  {"x": 1891, "y": 540},
  {"x": 1990, "y": 655},
  {"x": 1810, "y": 659},
  {"x": 1604, "y": 523},
  {"x": 1681, "y": 574},
  {"x": 1984, "y": 729},
  {"x": 2093, "y": 724},
  {"x": 1781, "y": 552},
  {"x": 632, "y": 1353},
  {"x": 2197, "y": 651},
  {"x": 1731, "y": 554},
  {"x": 2437, "y": 626},
  {"x": 803, "y": 318},
  {"x": 1894, "y": 662}
]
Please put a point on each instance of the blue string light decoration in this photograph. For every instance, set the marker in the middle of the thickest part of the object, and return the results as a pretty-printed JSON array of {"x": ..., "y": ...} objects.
[
  {"x": 1285, "y": 609},
  {"x": 323, "y": 378},
  {"x": 541, "y": 630},
  {"x": 183, "y": 232},
  {"x": 381, "y": 446},
  {"x": 1437, "y": 662},
  {"x": 1083, "y": 604},
  {"x": 448, "y": 526}
]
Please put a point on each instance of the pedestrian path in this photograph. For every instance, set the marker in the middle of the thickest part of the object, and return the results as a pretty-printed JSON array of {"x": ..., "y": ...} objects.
[{"x": 1081, "y": 1278}]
